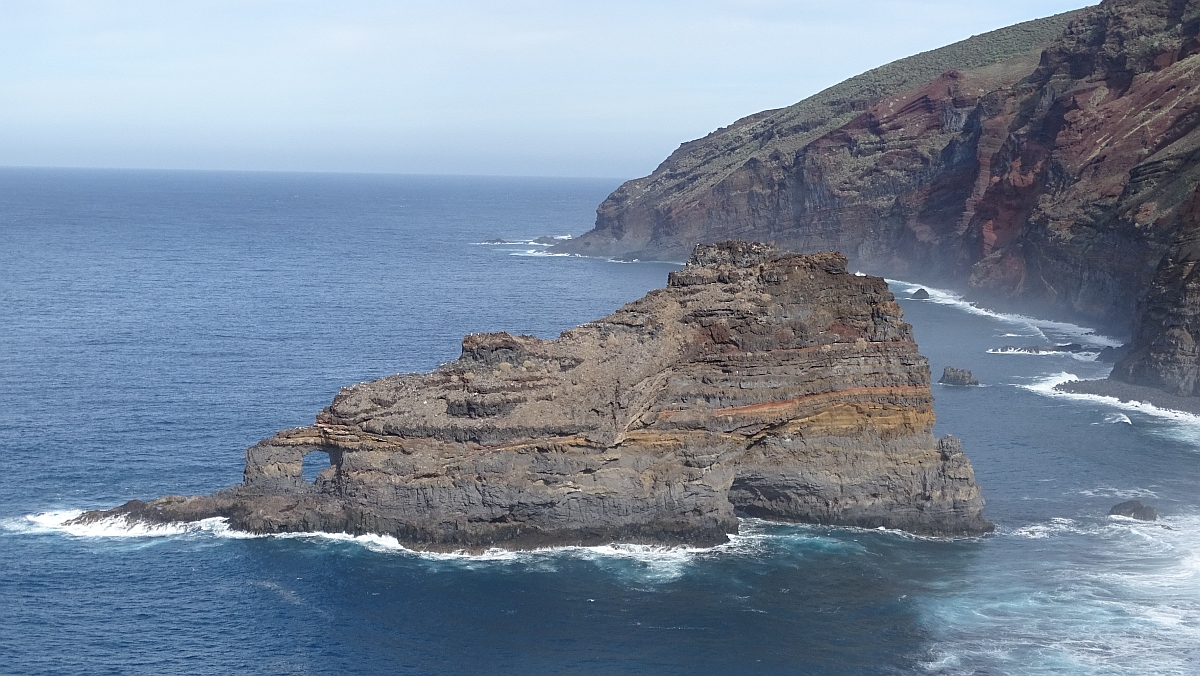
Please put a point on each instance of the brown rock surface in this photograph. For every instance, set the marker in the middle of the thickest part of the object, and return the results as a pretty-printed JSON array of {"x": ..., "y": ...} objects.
[
  {"x": 1046, "y": 166},
  {"x": 768, "y": 382}
]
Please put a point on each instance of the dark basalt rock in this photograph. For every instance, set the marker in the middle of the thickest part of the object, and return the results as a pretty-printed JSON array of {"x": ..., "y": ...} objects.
[
  {"x": 1112, "y": 355},
  {"x": 761, "y": 381},
  {"x": 953, "y": 376},
  {"x": 920, "y": 294},
  {"x": 1134, "y": 509}
]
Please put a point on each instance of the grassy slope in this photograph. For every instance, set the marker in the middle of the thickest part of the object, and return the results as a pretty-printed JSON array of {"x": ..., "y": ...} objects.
[{"x": 697, "y": 166}]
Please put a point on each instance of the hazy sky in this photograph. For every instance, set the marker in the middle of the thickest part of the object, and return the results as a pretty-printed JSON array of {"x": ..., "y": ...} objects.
[{"x": 518, "y": 88}]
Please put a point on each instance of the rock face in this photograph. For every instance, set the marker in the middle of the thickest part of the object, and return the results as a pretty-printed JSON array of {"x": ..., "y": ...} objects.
[
  {"x": 772, "y": 383},
  {"x": 1050, "y": 166},
  {"x": 1134, "y": 509},
  {"x": 920, "y": 294},
  {"x": 953, "y": 376},
  {"x": 1165, "y": 350}
]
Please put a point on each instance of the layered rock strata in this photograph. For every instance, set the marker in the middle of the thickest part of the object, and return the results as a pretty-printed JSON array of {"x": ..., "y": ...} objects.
[
  {"x": 957, "y": 376},
  {"x": 760, "y": 381},
  {"x": 1050, "y": 166}
]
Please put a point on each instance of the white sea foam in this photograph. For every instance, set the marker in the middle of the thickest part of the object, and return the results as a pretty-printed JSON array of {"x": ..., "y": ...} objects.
[
  {"x": 645, "y": 562},
  {"x": 1121, "y": 493},
  {"x": 1037, "y": 327},
  {"x": 1041, "y": 531},
  {"x": 1078, "y": 356},
  {"x": 524, "y": 242},
  {"x": 1187, "y": 425},
  {"x": 543, "y": 254},
  {"x": 114, "y": 527},
  {"x": 1117, "y": 418}
]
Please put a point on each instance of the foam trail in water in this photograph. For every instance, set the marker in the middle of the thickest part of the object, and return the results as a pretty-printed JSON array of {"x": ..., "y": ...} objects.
[
  {"x": 525, "y": 242},
  {"x": 1122, "y": 493},
  {"x": 1038, "y": 326},
  {"x": 644, "y": 562},
  {"x": 1077, "y": 356},
  {"x": 114, "y": 527},
  {"x": 543, "y": 254},
  {"x": 1187, "y": 425},
  {"x": 1045, "y": 386}
]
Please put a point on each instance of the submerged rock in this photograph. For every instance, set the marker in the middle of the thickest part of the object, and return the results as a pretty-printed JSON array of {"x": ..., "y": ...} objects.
[
  {"x": 759, "y": 381},
  {"x": 953, "y": 376},
  {"x": 920, "y": 294},
  {"x": 1135, "y": 510}
]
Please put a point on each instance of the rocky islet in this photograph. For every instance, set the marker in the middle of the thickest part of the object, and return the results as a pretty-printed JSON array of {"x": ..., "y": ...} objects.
[
  {"x": 958, "y": 377},
  {"x": 759, "y": 382}
]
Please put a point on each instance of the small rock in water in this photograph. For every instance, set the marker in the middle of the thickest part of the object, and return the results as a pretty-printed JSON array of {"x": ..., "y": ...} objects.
[
  {"x": 1112, "y": 355},
  {"x": 920, "y": 294},
  {"x": 953, "y": 376},
  {"x": 1134, "y": 509}
]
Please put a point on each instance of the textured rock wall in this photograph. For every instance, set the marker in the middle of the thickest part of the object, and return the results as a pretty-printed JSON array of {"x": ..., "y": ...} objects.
[
  {"x": 1166, "y": 344},
  {"x": 758, "y": 380}
]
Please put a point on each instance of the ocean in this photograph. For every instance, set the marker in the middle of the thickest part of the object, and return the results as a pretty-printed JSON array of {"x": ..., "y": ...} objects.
[{"x": 155, "y": 324}]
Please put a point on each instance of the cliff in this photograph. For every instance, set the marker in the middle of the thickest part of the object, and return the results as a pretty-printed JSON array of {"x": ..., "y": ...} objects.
[
  {"x": 1048, "y": 166},
  {"x": 770, "y": 383}
]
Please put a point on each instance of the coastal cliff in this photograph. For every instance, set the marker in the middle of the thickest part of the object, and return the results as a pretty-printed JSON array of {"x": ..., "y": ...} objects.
[
  {"x": 763, "y": 382},
  {"x": 1048, "y": 166}
]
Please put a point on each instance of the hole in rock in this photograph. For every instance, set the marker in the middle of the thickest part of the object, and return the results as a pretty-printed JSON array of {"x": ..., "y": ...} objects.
[{"x": 314, "y": 462}]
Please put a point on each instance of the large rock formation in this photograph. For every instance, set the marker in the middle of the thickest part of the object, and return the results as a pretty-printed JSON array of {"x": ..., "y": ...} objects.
[
  {"x": 1047, "y": 166},
  {"x": 767, "y": 382}
]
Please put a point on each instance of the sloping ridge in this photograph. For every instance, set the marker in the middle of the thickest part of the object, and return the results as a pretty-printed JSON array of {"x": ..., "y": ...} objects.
[{"x": 697, "y": 166}]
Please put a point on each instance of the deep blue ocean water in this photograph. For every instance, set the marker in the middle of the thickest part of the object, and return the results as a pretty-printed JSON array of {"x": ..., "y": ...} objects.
[{"x": 154, "y": 324}]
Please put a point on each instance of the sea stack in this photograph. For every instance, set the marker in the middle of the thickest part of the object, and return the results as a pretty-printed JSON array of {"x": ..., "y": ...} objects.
[
  {"x": 1134, "y": 509},
  {"x": 759, "y": 382},
  {"x": 955, "y": 376}
]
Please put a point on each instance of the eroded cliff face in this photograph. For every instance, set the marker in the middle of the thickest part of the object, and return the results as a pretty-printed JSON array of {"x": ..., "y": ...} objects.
[
  {"x": 763, "y": 381},
  {"x": 1165, "y": 350},
  {"x": 1051, "y": 175}
]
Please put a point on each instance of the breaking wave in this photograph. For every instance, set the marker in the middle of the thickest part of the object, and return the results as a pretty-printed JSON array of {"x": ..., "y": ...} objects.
[
  {"x": 1078, "y": 356},
  {"x": 1044, "y": 329},
  {"x": 1133, "y": 609},
  {"x": 1045, "y": 386},
  {"x": 756, "y": 538}
]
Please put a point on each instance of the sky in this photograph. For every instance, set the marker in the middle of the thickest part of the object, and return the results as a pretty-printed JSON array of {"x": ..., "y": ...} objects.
[{"x": 519, "y": 88}]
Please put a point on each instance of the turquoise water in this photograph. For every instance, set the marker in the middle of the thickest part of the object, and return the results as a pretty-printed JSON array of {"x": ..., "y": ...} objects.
[{"x": 157, "y": 323}]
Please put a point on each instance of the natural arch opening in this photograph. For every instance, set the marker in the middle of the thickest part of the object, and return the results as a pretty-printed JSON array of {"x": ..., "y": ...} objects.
[{"x": 314, "y": 462}]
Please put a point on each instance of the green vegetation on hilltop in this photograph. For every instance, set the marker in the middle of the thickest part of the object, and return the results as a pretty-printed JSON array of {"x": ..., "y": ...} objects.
[{"x": 695, "y": 167}]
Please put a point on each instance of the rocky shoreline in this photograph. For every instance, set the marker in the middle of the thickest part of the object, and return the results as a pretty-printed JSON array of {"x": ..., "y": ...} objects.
[{"x": 759, "y": 382}]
